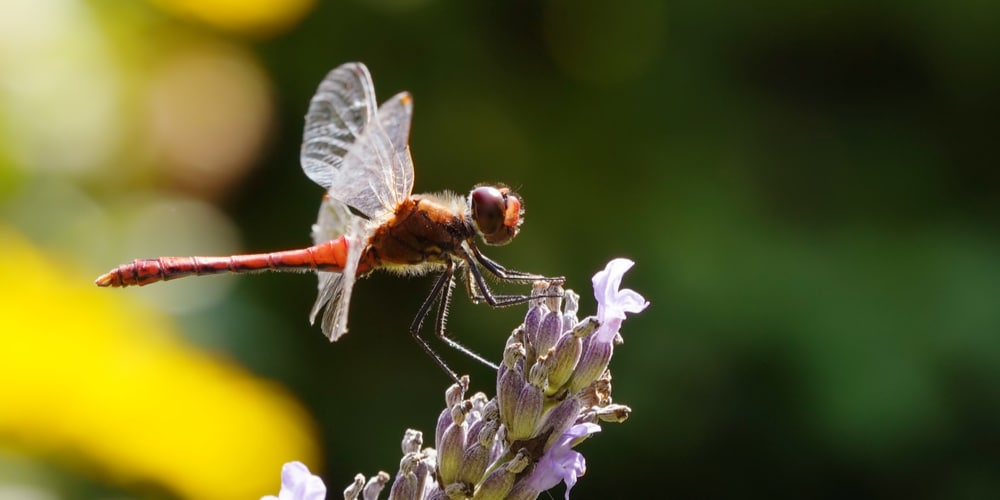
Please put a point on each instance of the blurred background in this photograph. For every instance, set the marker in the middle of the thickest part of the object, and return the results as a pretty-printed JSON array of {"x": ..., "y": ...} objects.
[{"x": 805, "y": 187}]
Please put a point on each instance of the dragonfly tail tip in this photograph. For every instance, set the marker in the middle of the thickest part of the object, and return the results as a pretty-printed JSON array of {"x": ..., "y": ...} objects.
[{"x": 105, "y": 280}]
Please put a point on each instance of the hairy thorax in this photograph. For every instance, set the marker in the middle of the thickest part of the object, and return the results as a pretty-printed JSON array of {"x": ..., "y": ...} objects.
[{"x": 423, "y": 229}]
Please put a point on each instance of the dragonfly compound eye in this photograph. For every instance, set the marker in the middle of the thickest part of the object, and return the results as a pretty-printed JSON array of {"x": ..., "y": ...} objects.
[{"x": 496, "y": 212}]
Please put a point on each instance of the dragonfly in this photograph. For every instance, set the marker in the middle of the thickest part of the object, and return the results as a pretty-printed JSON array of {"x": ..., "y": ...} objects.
[{"x": 369, "y": 219}]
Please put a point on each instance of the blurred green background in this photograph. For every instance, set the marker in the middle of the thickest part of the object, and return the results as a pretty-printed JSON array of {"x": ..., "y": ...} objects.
[{"x": 805, "y": 187}]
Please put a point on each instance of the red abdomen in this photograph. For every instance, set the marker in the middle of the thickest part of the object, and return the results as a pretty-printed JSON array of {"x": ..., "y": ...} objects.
[{"x": 327, "y": 256}]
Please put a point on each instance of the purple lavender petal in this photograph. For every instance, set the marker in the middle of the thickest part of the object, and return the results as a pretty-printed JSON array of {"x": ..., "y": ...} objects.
[
  {"x": 297, "y": 483},
  {"x": 613, "y": 303},
  {"x": 561, "y": 462}
]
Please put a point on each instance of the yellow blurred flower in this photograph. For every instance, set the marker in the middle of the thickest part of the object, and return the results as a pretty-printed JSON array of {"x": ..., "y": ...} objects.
[
  {"x": 88, "y": 373},
  {"x": 253, "y": 17}
]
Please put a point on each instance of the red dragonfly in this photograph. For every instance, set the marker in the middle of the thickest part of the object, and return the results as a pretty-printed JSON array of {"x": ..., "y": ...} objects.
[{"x": 369, "y": 219}]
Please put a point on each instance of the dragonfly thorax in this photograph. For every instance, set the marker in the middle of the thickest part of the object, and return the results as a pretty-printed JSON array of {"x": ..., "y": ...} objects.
[{"x": 424, "y": 229}]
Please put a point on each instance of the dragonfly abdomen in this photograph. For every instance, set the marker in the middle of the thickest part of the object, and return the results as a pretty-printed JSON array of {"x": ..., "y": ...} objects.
[{"x": 327, "y": 256}]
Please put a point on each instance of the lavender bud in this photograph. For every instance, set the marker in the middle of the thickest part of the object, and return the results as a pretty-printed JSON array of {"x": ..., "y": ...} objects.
[
  {"x": 459, "y": 412},
  {"x": 455, "y": 392},
  {"x": 560, "y": 418},
  {"x": 586, "y": 327},
  {"x": 516, "y": 336},
  {"x": 548, "y": 332},
  {"x": 508, "y": 390},
  {"x": 554, "y": 300},
  {"x": 472, "y": 435},
  {"x": 404, "y": 487},
  {"x": 562, "y": 361},
  {"x": 430, "y": 456},
  {"x": 412, "y": 441},
  {"x": 502, "y": 435},
  {"x": 423, "y": 471},
  {"x": 479, "y": 400},
  {"x": 497, "y": 485},
  {"x": 488, "y": 433},
  {"x": 491, "y": 411},
  {"x": 538, "y": 290},
  {"x": 538, "y": 375},
  {"x": 355, "y": 488},
  {"x": 513, "y": 354},
  {"x": 408, "y": 464},
  {"x": 593, "y": 362},
  {"x": 450, "y": 453},
  {"x": 572, "y": 301},
  {"x": 428, "y": 470},
  {"x": 375, "y": 486},
  {"x": 532, "y": 321},
  {"x": 529, "y": 410},
  {"x": 444, "y": 420},
  {"x": 522, "y": 491},
  {"x": 474, "y": 464}
]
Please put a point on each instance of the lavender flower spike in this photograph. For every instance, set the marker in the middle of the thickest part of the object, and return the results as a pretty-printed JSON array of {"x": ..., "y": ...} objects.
[
  {"x": 297, "y": 483},
  {"x": 553, "y": 391}
]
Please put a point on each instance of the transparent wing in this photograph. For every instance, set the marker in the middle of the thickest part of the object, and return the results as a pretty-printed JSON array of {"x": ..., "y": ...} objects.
[
  {"x": 334, "y": 298},
  {"x": 360, "y": 154},
  {"x": 343, "y": 106},
  {"x": 377, "y": 172}
]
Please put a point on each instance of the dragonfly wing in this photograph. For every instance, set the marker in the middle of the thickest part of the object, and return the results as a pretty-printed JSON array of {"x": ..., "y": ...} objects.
[
  {"x": 338, "y": 114},
  {"x": 360, "y": 154},
  {"x": 334, "y": 297},
  {"x": 334, "y": 220},
  {"x": 377, "y": 172},
  {"x": 330, "y": 288}
]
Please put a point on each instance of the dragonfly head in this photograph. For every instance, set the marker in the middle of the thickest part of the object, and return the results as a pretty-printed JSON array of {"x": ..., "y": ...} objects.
[{"x": 496, "y": 211}]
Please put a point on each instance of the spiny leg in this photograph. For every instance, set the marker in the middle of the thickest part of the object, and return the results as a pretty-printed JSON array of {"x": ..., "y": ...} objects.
[
  {"x": 441, "y": 293},
  {"x": 479, "y": 291},
  {"x": 498, "y": 270},
  {"x": 443, "y": 282},
  {"x": 442, "y": 317}
]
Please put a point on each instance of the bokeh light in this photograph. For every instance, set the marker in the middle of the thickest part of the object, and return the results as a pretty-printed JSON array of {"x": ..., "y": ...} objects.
[
  {"x": 61, "y": 88},
  {"x": 209, "y": 113},
  {"x": 261, "y": 18},
  {"x": 101, "y": 382}
]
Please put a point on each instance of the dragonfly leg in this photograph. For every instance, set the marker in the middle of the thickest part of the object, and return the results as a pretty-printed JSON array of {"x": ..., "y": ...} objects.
[
  {"x": 443, "y": 282},
  {"x": 479, "y": 291},
  {"x": 441, "y": 293},
  {"x": 498, "y": 270},
  {"x": 442, "y": 318}
]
